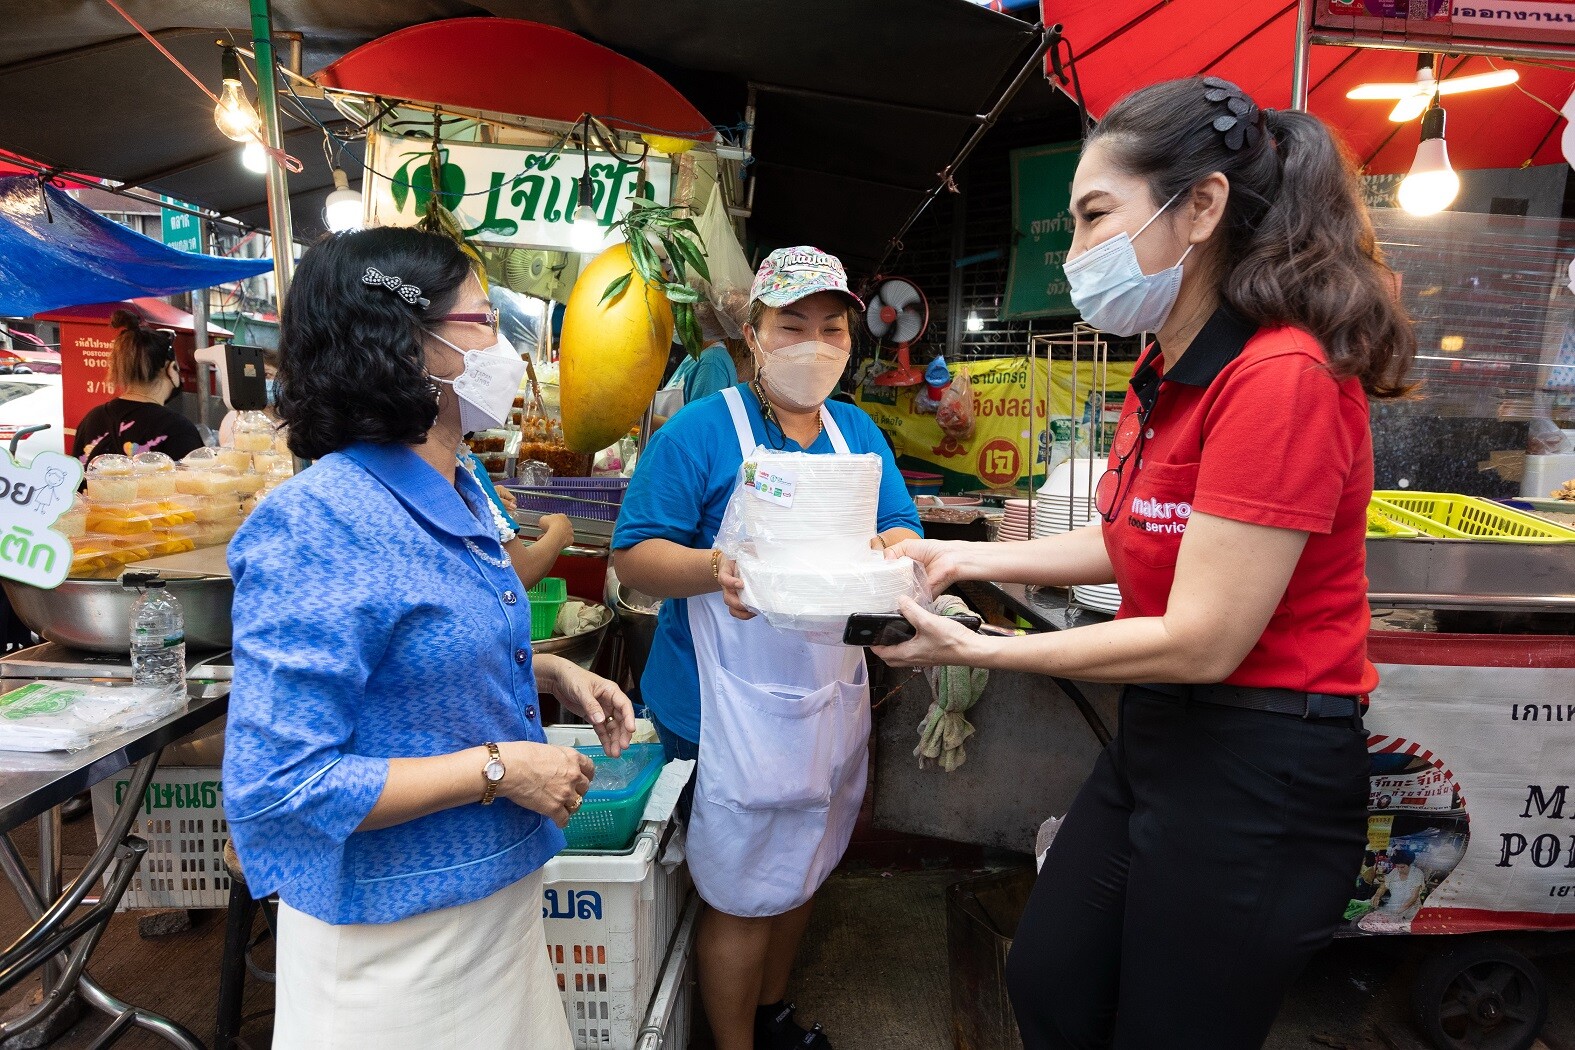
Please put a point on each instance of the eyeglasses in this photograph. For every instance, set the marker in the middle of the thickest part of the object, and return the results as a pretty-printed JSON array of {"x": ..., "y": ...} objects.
[
  {"x": 490, "y": 319},
  {"x": 1128, "y": 440}
]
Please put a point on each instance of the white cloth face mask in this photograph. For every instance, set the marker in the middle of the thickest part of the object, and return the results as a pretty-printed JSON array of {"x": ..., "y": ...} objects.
[
  {"x": 487, "y": 385},
  {"x": 803, "y": 375},
  {"x": 1111, "y": 291}
]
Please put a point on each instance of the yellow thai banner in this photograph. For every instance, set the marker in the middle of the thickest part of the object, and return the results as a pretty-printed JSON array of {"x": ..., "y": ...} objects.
[{"x": 1001, "y": 453}]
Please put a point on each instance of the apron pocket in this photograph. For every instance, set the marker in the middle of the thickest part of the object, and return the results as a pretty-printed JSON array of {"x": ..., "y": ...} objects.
[{"x": 774, "y": 746}]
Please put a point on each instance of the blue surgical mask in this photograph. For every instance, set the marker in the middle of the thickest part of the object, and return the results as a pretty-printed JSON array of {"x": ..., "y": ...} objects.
[
  {"x": 271, "y": 385},
  {"x": 1111, "y": 291}
]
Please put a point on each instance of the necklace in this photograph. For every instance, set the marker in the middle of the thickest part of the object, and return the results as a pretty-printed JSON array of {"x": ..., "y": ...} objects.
[
  {"x": 498, "y": 563},
  {"x": 770, "y": 416}
]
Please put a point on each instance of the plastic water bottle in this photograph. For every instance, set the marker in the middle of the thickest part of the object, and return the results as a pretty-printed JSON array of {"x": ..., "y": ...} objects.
[{"x": 158, "y": 639}]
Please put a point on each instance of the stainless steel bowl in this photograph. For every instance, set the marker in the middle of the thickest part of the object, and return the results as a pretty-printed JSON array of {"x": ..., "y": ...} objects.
[
  {"x": 96, "y": 614},
  {"x": 579, "y": 646}
]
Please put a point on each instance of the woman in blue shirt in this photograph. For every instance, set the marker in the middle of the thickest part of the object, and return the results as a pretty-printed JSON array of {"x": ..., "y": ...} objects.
[
  {"x": 783, "y": 743},
  {"x": 385, "y": 769}
]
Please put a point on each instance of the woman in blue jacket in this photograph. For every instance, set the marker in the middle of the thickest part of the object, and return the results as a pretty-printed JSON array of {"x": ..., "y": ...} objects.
[{"x": 386, "y": 772}]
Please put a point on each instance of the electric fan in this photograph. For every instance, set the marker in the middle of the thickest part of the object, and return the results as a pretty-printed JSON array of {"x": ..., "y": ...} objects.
[
  {"x": 897, "y": 315},
  {"x": 545, "y": 275}
]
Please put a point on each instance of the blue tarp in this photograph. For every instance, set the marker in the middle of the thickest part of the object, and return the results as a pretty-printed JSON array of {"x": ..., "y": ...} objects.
[{"x": 82, "y": 257}]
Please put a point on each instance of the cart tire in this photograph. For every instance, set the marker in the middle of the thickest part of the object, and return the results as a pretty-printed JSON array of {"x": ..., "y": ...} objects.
[{"x": 1481, "y": 996}]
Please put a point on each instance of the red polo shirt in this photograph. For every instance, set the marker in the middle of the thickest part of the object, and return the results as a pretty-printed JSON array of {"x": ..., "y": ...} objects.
[{"x": 1250, "y": 425}]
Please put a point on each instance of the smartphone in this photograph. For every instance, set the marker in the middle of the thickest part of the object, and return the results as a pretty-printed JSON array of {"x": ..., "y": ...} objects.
[{"x": 866, "y": 629}]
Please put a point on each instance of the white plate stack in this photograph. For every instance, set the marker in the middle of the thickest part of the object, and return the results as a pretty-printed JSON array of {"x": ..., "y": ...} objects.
[
  {"x": 1104, "y": 597},
  {"x": 1066, "y": 502},
  {"x": 1016, "y": 523}
]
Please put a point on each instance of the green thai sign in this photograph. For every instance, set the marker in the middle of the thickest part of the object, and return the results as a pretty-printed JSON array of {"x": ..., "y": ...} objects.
[
  {"x": 1041, "y": 231},
  {"x": 505, "y": 195},
  {"x": 179, "y": 230}
]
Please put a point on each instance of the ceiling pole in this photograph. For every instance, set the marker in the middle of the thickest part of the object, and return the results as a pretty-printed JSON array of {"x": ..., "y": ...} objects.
[
  {"x": 1304, "y": 16},
  {"x": 279, "y": 227}
]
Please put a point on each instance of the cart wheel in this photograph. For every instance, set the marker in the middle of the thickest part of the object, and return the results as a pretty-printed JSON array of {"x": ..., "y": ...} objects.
[{"x": 1480, "y": 996}]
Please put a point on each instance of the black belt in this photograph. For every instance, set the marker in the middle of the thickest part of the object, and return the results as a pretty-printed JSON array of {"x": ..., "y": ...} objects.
[{"x": 1275, "y": 701}]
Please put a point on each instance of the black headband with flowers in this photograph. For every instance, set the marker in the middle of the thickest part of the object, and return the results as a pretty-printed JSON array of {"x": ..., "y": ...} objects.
[{"x": 1241, "y": 123}]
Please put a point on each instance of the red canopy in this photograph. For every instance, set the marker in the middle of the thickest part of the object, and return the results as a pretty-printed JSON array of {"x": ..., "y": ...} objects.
[
  {"x": 1122, "y": 45},
  {"x": 527, "y": 69}
]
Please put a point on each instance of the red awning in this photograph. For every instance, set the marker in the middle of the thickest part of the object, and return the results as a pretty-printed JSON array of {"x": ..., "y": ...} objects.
[
  {"x": 1122, "y": 45},
  {"x": 507, "y": 65},
  {"x": 156, "y": 312}
]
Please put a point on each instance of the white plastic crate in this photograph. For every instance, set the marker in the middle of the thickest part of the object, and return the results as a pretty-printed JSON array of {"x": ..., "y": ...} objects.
[
  {"x": 182, "y": 820},
  {"x": 609, "y": 921}
]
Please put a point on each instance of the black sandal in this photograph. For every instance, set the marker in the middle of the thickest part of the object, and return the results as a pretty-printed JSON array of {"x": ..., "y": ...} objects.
[{"x": 775, "y": 1029}]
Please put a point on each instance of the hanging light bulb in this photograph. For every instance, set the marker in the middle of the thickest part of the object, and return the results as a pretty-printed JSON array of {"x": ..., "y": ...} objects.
[
  {"x": 1431, "y": 185},
  {"x": 254, "y": 157},
  {"x": 974, "y": 323},
  {"x": 586, "y": 234},
  {"x": 235, "y": 114},
  {"x": 343, "y": 210}
]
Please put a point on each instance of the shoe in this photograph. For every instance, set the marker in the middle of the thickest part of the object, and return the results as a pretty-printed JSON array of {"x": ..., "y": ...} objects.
[
  {"x": 79, "y": 806},
  {"x": 775, "y": 1029}
]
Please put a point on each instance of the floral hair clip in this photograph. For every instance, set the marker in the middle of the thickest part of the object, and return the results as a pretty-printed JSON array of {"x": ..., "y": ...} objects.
[
  {"x": 1239, "y": 124},
  {"x": 408, "y": 292}
]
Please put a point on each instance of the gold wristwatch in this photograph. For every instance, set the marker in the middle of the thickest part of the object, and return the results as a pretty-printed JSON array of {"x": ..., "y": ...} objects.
[{"x": 492, "y": 774}]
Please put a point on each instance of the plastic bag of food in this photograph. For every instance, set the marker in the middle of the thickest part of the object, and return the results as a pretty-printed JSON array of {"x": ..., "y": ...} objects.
[
  {"x": 1546, "y": 439},
  {"x": 66, "y": 716},
  {"x": 731, "y": 275},
  {"x": 954, "y": 411}
]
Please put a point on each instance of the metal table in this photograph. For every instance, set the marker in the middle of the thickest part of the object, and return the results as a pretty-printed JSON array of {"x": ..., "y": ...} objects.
[
  {"x": 1052, "y": 609},
  {"x": 33, "y": 785}
]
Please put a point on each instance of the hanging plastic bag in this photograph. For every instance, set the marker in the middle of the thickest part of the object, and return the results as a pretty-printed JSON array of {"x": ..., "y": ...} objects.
[
  {"x": 954, "y": 411},
  {"x": 731, "y": 275}
]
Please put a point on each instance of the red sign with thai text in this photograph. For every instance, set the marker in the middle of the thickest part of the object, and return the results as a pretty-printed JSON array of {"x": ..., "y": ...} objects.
[{"x": 84, "y": 370}]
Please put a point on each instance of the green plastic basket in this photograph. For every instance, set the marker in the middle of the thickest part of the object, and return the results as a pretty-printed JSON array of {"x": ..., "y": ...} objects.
[
  {"x": 1448, "y": 516},
  {"x": 546, "y": 598},
  {"x": 1381, "y": 527},
  {"x": 609, "y": 817}
]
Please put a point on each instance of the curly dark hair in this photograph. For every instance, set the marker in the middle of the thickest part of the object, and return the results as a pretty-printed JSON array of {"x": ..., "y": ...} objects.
[
  {"x": 1295, "y": 246},
  {"x": 352, "y": 366}
]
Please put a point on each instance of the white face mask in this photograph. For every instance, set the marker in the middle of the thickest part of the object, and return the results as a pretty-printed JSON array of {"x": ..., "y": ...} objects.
[
  {"x": 1111, "y": 291},
  {"x": 487, "y": 386},
  {"x": 803, "y": 375}
]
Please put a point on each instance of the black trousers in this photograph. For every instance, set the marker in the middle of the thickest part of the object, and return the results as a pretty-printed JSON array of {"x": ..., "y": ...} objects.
[{"x": 1208, "y": 856}]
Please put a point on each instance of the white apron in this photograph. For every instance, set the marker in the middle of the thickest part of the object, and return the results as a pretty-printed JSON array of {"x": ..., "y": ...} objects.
[
  {"x": 784, "y": 749},
  {"x": 471, "y": 977}
]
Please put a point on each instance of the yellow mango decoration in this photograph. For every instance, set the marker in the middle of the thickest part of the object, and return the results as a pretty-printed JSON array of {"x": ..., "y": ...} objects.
[{"x": 612, "y": 353}]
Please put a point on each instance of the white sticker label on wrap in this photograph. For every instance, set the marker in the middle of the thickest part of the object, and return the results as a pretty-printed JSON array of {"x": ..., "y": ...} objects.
[{"x": 773, "y": 486}]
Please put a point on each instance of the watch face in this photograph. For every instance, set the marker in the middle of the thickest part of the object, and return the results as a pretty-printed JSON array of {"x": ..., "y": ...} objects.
[{"x": 494, "y": 771}]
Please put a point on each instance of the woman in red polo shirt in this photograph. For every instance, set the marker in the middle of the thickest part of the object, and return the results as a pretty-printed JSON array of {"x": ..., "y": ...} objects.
[{"x": 1214, "y": 846}]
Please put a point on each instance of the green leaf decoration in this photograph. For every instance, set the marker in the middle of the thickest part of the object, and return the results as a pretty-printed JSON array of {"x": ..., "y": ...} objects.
[
  {"x": 681, "y": 293},
  {"x": 617, "y": 288},
  {"x": 681, "y": 242}
]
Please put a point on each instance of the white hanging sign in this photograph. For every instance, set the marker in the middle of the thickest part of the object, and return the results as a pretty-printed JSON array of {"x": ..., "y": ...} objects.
[
  {"x": 32, "y": 498},
  {"x": 503, "y": 195}
]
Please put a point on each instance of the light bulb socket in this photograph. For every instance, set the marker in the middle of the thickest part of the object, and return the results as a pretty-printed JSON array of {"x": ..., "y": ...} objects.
[
  {"x": 1433, "y": 121},
  {"x": 585, "y": 192},
  {"x": 341, "y": 180},
  {"x": 230, "y": 65}
]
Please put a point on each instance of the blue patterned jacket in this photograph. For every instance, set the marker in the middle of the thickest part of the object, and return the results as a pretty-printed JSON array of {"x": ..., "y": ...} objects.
[{"x": 366, "y": 629}]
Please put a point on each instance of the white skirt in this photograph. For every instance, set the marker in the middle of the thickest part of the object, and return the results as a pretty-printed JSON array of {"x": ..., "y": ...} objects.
[{"x": 472, "y": 977}]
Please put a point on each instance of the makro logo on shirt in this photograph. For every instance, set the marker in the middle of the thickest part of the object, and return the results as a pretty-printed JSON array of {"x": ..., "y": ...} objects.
[{"x": 1152, "y": 515}]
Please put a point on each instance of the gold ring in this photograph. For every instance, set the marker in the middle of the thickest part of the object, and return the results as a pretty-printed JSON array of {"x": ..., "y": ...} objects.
[{"x": 575, "y": 807}]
